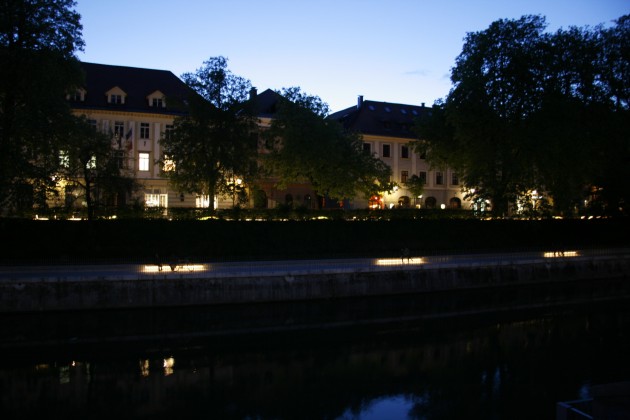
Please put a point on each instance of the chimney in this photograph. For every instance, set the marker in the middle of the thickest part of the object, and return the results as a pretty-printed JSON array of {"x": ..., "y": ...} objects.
[
  {"x": 422, "y": 104},
  {"x": 253, "y": 93},
  {"x": 360, "y": 102}
]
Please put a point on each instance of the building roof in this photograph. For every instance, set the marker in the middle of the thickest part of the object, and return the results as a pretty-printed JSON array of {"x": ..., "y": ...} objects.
[
  {"x": 137, "y": 83},
  {"x": 381, "y": 118}
]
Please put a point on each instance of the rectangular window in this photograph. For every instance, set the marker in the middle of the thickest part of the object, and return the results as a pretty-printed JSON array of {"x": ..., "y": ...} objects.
[
  {"x": 115, "y": 99},
  {"x": 144, "y": 131},
  {"x": 403, "y": 176},
  {"x": 387, "y": 151},
  {"x": 119, "y": 129},
  {"x": 156, "y": 200},
  {"x": 168, "y": 132},
  {"x": 404, "y": 152},
  {"x": 158, "y": 103},
  {"x": 367, "y": 148},
  {"x": 423, "y": 177},
  {"x": 169, "y": 164},
  {"x": 439, "y": 178},
  {"x": 143, "y": 162},
  {"x": 454, "y": 179},
  {"x": 119, "y": 156}
]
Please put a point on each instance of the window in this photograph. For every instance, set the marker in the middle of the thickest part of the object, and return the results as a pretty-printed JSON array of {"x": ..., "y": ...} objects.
[
  {"x": 367, "y": 148},
  {"x": 143, "y": 162},
  {"x": 144, "y": 130},
  {"x": 119, "y": 129},
  {"x": 158, "y": 103},
  {"x": 439, "y": 178},
  {"x": 156, "y": 200},
  {"x": 403, "y": 176},
  {"x": 119, "y": 156},
  {"x": 64, "y": 159},
  {"x": 404, "y": 152},
  {"x": 168, "y": 132},
  {"x": 169, "y": 164},
  {"x": 454, "y": 179},
  {"x": 386, "y": 151},
  {"x": 115, "y": 99},
  {"x": 423, "y": 177}
]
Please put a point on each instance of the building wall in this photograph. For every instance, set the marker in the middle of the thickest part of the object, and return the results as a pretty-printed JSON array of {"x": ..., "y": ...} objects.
[{"x": 413, "y": 164}]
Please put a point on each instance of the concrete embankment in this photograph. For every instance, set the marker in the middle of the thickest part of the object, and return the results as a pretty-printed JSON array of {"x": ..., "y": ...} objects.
[{"x": 116, "y": 287}]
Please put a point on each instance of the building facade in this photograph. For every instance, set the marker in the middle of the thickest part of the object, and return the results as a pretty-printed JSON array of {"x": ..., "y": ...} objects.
[
  {"x": 387, "y": 130},
  {"x": 138, "y": 106}
]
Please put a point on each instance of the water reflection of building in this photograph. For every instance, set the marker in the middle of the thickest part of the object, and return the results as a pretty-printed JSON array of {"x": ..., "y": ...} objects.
[{"x": 327, "y": 372}]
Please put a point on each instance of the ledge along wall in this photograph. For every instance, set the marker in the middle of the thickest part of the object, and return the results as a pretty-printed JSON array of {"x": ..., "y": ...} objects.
[{"x": 602, "y": 278}]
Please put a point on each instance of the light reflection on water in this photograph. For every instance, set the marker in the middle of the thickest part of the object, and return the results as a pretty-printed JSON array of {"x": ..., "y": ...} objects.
[
  {"x": 422, "y": 370},
  {"x": 397, "y": 407}
]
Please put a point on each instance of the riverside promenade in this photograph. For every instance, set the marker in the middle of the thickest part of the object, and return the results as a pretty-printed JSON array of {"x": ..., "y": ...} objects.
[{"x": 184, "y": 283}]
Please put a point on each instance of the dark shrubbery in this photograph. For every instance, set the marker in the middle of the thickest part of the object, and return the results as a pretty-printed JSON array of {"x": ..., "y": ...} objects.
[{"x": 140, "y": 240}]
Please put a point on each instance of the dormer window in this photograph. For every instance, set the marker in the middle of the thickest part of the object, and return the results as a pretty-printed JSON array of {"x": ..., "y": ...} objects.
[
  {"x": 156, "y": 100},
  {"x": 76, "y": 96},
  {"x": 116, "y": 96}
]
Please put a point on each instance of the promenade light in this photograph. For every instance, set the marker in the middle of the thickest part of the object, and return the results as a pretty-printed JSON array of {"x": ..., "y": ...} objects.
[
  {"x": 560, "y": 254},
  {"x": 179, "y": 268},
  {"x": 399, "y": 261}
]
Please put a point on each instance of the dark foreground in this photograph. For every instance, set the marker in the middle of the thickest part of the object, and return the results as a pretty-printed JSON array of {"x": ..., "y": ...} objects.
[{"x": 176, "y": 363}]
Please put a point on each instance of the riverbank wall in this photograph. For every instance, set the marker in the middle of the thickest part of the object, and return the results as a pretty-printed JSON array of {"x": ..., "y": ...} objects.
[{"x": 592, "y": 277}]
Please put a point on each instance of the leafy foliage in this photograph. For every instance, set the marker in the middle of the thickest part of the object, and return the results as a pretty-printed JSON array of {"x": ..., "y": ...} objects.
[
  {"x": 214, "y": 142},
  {"x": 306, "y": 146},
  {"x": 38, "y": 39},
  {"x": 535, "y": 111}
]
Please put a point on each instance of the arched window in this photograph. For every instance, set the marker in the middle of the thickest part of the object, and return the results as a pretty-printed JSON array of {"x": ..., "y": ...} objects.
[
  {"x": 455, "y": 203},
  {"x": 430, "y": 202},
  {"x": 260, "y": 199},
  {"x": 404, "y": 201}
]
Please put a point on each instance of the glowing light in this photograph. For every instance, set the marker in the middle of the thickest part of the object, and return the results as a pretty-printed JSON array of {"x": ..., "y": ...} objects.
[
  {"x": 144, "y": 367},
  {"x": 168, "y": 366},
  {"x": 167, "y": 268},
  {"x": 400, "y": 261},
  {"x": 561, "y": 254}
]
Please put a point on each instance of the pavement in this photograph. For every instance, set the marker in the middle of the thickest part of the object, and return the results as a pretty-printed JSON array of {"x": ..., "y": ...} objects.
[{"x": 205, "y": 269}]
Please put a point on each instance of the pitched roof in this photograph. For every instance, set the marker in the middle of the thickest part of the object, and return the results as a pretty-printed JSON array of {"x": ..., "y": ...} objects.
[
  {"x": 266, "y": 103},
  {"x": 137, "y": 83},
  {"x": 380, "y": 118}
]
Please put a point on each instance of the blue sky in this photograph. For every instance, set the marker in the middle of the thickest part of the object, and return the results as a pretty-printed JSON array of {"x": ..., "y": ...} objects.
[{"x": 386, "y": 50}]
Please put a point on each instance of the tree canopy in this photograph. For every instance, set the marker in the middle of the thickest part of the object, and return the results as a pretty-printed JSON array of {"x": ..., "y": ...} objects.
[
  {"x": 306, "y": 146},
  {"x": 214, "y": 143},
  {"x": 38, "y": 68},
  {"x": 533, "y": 113}
]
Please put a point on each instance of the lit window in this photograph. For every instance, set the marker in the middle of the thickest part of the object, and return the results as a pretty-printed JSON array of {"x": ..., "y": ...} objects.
[
  {"x": 144, "y": 130},
  {"x": 156, "y": 200},
  {"x": 143, "y": 162},
  {"x": 64, "y": 159},
  {"x": 404, "y": 152},
  {"x": 169, "y": 164},
  {"x": 439, "y": 178},
  {"x": 386, "y": 150}
]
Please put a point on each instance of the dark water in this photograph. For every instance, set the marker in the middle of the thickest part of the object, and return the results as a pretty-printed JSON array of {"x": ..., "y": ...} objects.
[{"x": 281, "y": 362}]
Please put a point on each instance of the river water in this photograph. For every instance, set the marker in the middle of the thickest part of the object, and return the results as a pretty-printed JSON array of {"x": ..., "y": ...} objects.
[{"x": 171, "y": 364}]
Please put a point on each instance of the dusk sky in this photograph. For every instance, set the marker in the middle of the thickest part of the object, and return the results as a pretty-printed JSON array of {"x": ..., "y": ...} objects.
[{"x": 398, "y": 51}]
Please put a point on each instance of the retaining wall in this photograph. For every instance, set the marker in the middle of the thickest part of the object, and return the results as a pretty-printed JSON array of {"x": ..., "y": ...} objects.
[{"x": 608, "y": 276}]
